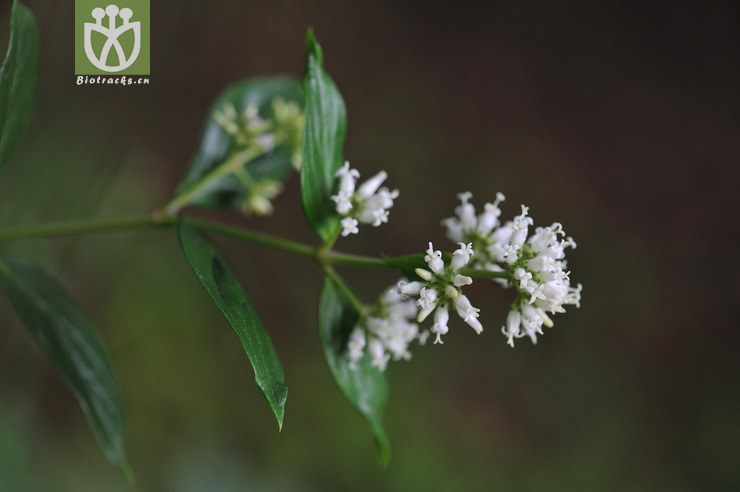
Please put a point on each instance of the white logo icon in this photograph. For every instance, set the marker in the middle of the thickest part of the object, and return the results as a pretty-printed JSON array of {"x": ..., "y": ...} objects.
[{"x": 112, "y": 33}]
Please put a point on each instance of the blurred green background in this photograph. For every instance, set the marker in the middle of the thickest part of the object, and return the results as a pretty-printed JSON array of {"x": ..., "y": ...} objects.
[{"x": 618, "y": 119}]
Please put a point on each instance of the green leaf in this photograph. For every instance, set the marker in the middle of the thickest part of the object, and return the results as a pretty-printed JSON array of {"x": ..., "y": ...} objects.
[
  {"x": 366, "y": 388},
  {"x": 323, "y": 139},
  {"x": 18, "y": 77},
  {"x": 72, "y": 345},
  {"x": 204, "y": 188},
  {"x": 219, "y": 280}
]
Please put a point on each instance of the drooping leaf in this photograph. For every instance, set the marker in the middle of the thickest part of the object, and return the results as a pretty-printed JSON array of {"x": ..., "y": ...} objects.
[
  {"x": 70, "y": 342},
  {"x": 18, "y": 78},
  {"x": 217, "y": 146},
  {"x": 323, "y": 139},
  {"x": 221, "y": 283},
  {"x": 366, "y": 388}
]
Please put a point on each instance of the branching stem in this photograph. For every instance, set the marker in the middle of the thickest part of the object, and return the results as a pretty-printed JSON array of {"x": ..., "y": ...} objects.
[{"x": 323, "y": 256}]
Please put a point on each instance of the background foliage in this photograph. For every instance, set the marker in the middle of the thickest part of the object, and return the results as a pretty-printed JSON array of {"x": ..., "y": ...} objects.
[{"x": 617, "y": 118}]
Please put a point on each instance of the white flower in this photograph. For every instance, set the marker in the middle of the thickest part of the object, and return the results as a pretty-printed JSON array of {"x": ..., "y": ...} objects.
[
  {"x": 466, "y": 223},
  {"x": 466, "y": 212},
  {"x": 532, "y": 322},
  {"x": 535, "y": 263},
  {"x": 368, "y": 204},
  {"x": 513, "y": 323},
  {"x": 409, "y": 288},
  {"x": 488, "y": 220},
  {"x": 440, "y": 290},
  {"x": 520, "y": 227},
  {"x": 369, "y": 187},
  {"x": 460, "y": 280},
  {"x": 523, "y": 277},
  {"x": 343, "y": 201},
  {"x": 468, "y": 313},
  {"x": 355, "y": 347},
  {"x": 434, "y": 259},
  {"x": 378, "y": 356},
  {"x": 510, "y": 253},
  {"x": 427, "y": 298},
  {"x": 349, "y": 226},
  {"x": 389, "y": 328},
  {"x": 441, "y": 317},
  {"x": 347, "y": 179},
  {"x": 461, "y": 256},
  {"x": 427, "y": 302}
]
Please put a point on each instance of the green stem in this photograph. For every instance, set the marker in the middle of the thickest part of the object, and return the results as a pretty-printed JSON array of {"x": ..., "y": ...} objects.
[
  {"x": 255, "y": 237},
  {"x": 69, "y": 228},
  {"x": 318, "y": 254},
  {"x": 326, "y": 248},
  {"x": 231, "y": 165},
  {"x": 339, "y": 282},
  {"x": 337, "y": 258}
]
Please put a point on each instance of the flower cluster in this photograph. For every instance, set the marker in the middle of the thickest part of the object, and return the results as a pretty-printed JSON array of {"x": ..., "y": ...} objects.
[
  {"x": 536, "y": 264},
  {"x": 392, "y": 324},
  {"x": 386, "y": 331},
  {"x": 251, "y": 131},
  {"x": 367, "y": 204},
  {"x": 440, "y": 289},
  {"x": 533, "y": 264}
]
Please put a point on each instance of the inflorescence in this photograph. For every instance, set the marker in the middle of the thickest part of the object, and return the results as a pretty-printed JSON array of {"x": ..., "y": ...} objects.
[
  {"x": 368, "y": 204},
  {"x": 534, "y": 266},
  {"x": 261, "y": 135}
]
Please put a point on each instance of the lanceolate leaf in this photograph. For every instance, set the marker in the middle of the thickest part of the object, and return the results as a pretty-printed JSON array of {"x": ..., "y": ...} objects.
[
  {"x": 217, "y": 146},
  {"x": 70, "y": 342},
  {"x": 365, "y": 388},
  {"x": 323, "y": 139},
  {"x": 219, "y": 280},
  {"x": 18, "y": 79}
]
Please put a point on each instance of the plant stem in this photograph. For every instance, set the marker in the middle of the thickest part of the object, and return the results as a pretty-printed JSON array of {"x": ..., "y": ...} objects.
[
  {"x": 338, "y": 258},
  {"x": 334, "y": 276},
  {"x": 318, "y": 254},
  {"x": 231, "y": 165},
  {"x": 68, "y": 228},
  {"x": 255, "y": 237}
]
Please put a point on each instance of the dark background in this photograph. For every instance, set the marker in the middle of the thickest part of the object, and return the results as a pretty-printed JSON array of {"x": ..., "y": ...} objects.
[{"x": 618, "y": 119}]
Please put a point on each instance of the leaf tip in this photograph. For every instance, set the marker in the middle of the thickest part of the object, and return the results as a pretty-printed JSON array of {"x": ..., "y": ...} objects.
[
  {"x": 313, "y": 49},
  {"x": 128, "y": 472},
  {"x": 276, "y": 394},
  {"x": 382, "y": 444}
]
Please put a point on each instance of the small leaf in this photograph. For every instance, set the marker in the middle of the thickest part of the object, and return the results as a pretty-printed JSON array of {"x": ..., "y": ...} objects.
[
  {"x": 18, "y": 77},
  {"x": 219, "y": 280},
  {"x": 366, "y": 388},
  {"x": 323, "y": 139},
  {"x": 71, "y": 343},
  {"x": 217, "y": 146}
]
